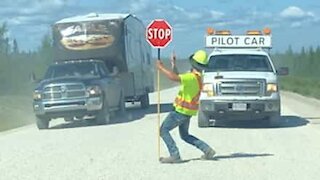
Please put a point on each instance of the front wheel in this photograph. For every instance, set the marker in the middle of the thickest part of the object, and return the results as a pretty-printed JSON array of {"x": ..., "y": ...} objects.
[
  {"x": 103, "y": 116},
  {"x": 144, "y": 100},
  {"x": 42, "y": 122},
  {"x": 203, "y": 119},
  {"x": 274, "y": 119},
  {"x": 122, "y": 105}
]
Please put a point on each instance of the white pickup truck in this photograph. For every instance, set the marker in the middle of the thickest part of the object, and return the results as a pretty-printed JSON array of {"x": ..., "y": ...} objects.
[{"x": 240, "y": 81}]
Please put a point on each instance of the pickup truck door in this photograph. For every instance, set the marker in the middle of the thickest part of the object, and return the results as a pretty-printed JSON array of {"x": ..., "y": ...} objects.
[{"x": 111, "y": 87}]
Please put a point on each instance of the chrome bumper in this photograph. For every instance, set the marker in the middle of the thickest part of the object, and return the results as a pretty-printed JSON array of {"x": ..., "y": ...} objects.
[
  {"x": 226, "y": 105},
  {"x": 87, "y": 104}
]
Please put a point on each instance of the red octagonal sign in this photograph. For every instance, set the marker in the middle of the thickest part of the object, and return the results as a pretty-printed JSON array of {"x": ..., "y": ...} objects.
[{"x": 159, "y": 33}]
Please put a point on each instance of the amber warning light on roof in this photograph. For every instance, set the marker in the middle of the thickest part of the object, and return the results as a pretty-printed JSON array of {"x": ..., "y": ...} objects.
[{"x": 252, "y": 39}]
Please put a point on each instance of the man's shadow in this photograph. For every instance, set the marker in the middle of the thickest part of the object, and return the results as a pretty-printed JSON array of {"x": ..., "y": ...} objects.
[{"x": 231, "y": 156}]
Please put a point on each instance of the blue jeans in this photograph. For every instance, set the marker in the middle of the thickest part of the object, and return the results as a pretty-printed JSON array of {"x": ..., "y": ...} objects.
[{"x": 173, "y": 120}]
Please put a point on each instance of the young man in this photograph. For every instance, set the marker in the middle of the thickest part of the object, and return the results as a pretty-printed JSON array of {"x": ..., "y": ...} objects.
[{"x": 185, "y": 106}]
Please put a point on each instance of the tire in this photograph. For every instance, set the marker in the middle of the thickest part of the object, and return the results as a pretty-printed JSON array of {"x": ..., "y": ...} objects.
[
  {"x": 42, "y": 122},
  {"x": 122, "y": 105},
  {"x": 274, "y": 119},
  {"x": 144, "y": 100},
  {"x": 203, "y": 119},
  {"x": 103, "y": 116}
]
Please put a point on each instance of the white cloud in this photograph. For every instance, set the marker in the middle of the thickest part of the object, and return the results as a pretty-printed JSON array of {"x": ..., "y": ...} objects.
[
  {"x": 179, "y": 17},
  {"x": 139, "y": 5},
  {"x": 34, "y": 15},
  {"x": 296, "y": 24},
  {"x": 294, "y": 12},
  {"x": 31, "y": 19},
  {"x": 217, "y": 14},
  {"x": 296, "y": 17}
]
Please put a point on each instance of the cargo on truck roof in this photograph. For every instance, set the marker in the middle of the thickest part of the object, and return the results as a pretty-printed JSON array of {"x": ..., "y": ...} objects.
[
  {"x": 113, "y": 38},
  {"x": 94, "y": 17}
]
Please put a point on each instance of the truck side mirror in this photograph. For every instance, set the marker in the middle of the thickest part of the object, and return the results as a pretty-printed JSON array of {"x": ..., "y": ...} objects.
[
  {"x": 33, "y": 78},
  {"x": 115, "y": 71},
  {"x": 283, "y": 71}
]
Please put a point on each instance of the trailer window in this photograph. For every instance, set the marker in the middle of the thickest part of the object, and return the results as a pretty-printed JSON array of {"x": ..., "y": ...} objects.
[{"x": 239, "y": 62}]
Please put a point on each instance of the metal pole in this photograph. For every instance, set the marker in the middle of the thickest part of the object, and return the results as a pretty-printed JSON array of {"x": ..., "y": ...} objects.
[{"x": 158, "y": 107}]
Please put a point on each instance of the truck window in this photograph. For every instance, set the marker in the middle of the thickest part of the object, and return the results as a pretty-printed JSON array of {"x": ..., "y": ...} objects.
[
  {"x": 239, "y": 62},
  {"x": 103, "y": 70},
  {"x": 83, "y": 70}
]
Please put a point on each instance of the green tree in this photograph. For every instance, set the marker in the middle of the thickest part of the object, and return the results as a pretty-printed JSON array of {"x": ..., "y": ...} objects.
[
  {"x": 4, "y": 40},
  {"x": 45, "y": 50},
  {"x": 15, "y": 47}
]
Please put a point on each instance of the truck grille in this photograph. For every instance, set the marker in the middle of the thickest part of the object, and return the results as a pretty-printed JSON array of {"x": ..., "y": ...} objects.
[
  {"x": 241, "y": 87},
  {"x": 64, "y": 91}
]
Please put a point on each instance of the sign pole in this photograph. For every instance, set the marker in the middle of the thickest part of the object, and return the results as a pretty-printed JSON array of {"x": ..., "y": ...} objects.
[
  {"x": 158, "y": 35},
  {"x": 158, "y": 106}
]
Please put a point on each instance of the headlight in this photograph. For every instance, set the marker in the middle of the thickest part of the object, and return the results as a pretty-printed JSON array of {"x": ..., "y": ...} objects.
[
  {"x": 37, "y": 95},
  {"x": 271, "y": 87},
  {"x": 94, "y": 90},
  {"x": 208, "y": 88}
]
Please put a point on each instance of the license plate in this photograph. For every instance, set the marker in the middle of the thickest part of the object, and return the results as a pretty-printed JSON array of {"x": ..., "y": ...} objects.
[{"x": 239, "y": 106}]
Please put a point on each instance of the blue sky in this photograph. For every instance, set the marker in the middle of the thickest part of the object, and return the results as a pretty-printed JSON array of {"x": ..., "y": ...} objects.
[{"x": 293, "y": 22}]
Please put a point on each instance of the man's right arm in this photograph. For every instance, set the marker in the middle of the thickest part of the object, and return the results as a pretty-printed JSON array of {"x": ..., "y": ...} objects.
[
  {"x": 173, "y": 63},
  {"x": 170, "y": 74}
]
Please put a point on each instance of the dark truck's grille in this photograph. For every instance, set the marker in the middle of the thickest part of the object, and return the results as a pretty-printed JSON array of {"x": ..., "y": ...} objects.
[
  {"x": 64, "y": 91},
  {"x": 241, "y": 87}
]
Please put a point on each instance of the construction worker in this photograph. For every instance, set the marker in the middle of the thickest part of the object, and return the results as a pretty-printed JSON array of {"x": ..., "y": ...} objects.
[{"x": 185, "y": 106}]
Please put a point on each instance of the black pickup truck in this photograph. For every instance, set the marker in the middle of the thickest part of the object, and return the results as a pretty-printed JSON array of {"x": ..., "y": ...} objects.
[{"x": 78, "y": 89}]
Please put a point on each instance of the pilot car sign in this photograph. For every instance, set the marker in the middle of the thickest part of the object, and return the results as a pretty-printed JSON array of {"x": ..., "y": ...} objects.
[{"x": 238, "y": 41}]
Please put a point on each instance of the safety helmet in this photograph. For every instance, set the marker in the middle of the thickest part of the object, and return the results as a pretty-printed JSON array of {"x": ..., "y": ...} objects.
[{"x": 200, "y": 57}]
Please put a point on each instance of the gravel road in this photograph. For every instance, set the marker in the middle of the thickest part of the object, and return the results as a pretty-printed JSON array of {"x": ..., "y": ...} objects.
[{"x": 128, "y": 150}]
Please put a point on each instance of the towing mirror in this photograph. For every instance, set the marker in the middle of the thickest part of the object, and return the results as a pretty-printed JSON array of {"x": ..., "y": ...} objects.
[
  {"x": 33, "y": 78},
  {"x": 283, "y": 71},
  {"x": 115, "y": 71}
]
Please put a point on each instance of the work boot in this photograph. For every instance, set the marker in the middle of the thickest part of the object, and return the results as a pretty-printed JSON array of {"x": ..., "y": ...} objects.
[
  {"x": 208, "y": 155},
  {"x": 170, "y": 160}
]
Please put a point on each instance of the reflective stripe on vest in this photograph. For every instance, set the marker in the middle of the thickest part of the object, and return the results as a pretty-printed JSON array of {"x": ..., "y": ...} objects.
[{"x": 194, "y": 104}]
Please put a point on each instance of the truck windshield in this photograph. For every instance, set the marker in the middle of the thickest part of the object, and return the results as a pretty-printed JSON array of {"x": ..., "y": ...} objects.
[
  {"x": 82, "y": 70},
  {"x": 239, "y": 62}
]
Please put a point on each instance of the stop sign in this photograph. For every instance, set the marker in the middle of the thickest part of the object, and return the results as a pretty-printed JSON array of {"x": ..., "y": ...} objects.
[{"x": 159, "y": 33}]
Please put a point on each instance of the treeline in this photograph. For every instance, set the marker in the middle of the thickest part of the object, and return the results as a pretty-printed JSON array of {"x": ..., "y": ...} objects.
[
  {"x": 305, "y": 63},
  {"x": 304, "y": 71},
  {"x": 17, "y": 67}
]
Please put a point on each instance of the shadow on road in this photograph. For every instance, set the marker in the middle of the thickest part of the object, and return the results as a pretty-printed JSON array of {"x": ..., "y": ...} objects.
[
  {"x": 240, "y": 155},
  {"x": 231, "y": 156},
  {"x": 134, "y": 112},
  {"x": 313, "y": 120},
  {"x": 285, "y": 122}
]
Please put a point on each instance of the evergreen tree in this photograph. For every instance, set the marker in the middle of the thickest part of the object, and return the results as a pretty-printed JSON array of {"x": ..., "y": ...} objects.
[
  {"x": 15, "y": 47},
  {"x": 4, "y": 40}
]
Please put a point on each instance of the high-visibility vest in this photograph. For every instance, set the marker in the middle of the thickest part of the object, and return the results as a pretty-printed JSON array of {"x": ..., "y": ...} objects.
[{"x": 187, "y": 101}]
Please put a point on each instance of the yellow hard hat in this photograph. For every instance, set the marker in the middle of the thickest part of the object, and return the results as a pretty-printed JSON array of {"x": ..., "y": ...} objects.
[{"x": 200, "y": 57}]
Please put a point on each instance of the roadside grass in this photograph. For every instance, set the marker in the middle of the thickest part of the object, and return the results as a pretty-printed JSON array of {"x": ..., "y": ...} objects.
[
  {"x": 15, "y": 111},
  {"x": 302, "y": 85}
]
